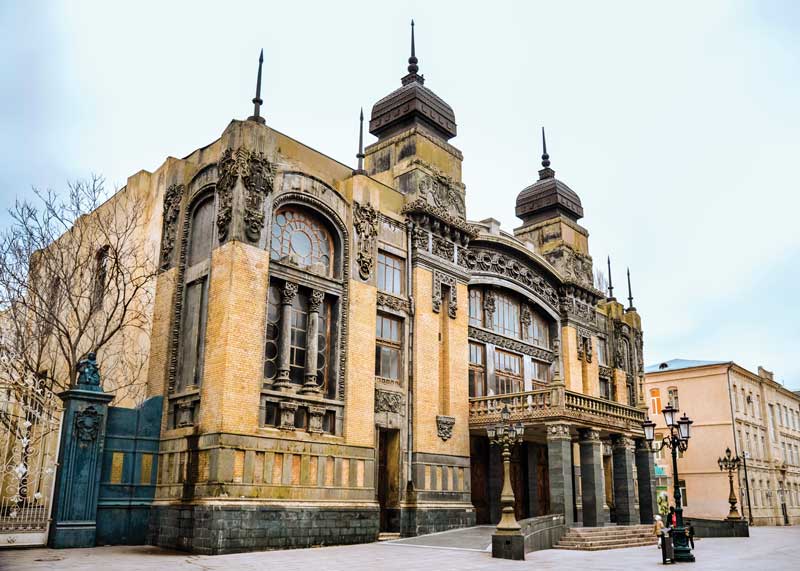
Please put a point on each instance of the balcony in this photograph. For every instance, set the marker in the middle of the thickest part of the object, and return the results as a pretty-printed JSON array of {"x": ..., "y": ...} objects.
[{"x": 556, "y": 404}]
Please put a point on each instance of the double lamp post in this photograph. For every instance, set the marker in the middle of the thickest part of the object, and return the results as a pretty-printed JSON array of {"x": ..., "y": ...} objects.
[{"x": 677, "y": 441}]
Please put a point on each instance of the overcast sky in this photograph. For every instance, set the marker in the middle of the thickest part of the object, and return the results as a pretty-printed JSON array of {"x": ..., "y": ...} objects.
[{"x": 676, "y": 122}]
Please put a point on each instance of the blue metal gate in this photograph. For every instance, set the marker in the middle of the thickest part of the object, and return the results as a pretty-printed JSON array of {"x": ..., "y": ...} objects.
[{"x": 128, "y": 474}]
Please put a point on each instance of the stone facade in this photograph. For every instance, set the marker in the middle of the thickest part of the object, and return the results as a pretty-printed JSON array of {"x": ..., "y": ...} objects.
[{"x": 331, "y": 344}]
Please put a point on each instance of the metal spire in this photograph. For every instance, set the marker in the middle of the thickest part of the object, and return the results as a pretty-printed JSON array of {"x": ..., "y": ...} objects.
[
  {"x": 257, "y": 102},
  {"x": 360, "y": 154},
  {"x": 545, "y": 156},
  {"x": 412, "y": 61},
  {"x": 630, "y": 295},
  {"x": 610, "y": 284}
]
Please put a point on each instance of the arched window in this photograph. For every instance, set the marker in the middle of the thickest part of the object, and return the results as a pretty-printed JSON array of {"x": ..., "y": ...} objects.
[
  {"x": 201, "y": 232},
  {"x": 301, "y": 240},
  {"x": 303, "y": 312}
]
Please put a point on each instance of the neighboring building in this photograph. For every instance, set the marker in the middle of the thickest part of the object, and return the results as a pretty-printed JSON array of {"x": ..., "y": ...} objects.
[
  {"x": 731, "y": 407},
  {"x": 332, "y": 343}
]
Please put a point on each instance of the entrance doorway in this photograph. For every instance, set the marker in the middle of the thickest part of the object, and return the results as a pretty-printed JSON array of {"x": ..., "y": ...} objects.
[{"x": 389, "y": 479}]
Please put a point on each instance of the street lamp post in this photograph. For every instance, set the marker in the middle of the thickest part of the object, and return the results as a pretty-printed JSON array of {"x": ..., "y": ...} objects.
[
  {"x": 505, "y": 435},
  {"x": 676, "y": 440},
  {"x": 730, "y": 463}
]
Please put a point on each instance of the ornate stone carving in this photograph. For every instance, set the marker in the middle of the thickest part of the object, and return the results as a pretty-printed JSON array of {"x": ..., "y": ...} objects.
[
  {"x": 428, "y": 215},
  {"x": 386, "y": 301},
  {"x": 489, "y": 305},
  {"x": 288, "y": 292},
  {"x": 315, "y": 416},
  {"x": 441, "y": 191},
  {"x": 185, "y": 414},
  {"x": 511, "y": 344},
  {"x": 287, "y": 410},
  {"x": 315, "y": 300},
  {"x": 87, "y": 425},
  {"x": 621, "y": 442},
  {"x": 578, "y": 304},
  {"x": 444, "y": 426},
  {"x": 558, "y": 432},
  {"x": 388, "y": 401},
  {"x": 589, "y": 435},
  {"x": 419, "y": 239},
  {"x": 572, "y": 265},
  {"x": 169, "y": 225},
  {"x": 89, "y": 372},
  {"x": 484, "y": 260},
  {"x": 443, "y": 248},
  {"x": 258, "y": 177},
  {"x": 606, "y": 372},
  {"x": 442, "y": 279},
  {"x": 365, "y": 222},
  {"x": 584, "y": 337}
]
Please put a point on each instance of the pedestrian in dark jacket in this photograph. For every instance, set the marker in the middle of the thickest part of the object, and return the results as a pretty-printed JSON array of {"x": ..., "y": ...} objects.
[{"x": 690, "y": 533}]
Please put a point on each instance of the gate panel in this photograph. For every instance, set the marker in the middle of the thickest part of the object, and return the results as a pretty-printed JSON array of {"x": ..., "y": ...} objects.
[
  {"x": 29, "y": 436},
  {"x": 128, "y": 475}
]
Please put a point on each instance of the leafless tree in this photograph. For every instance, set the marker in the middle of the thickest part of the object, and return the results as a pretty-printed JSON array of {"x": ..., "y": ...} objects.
[
  {"x": 600, "y": 281},
  {"x": 75, "y": 277}
]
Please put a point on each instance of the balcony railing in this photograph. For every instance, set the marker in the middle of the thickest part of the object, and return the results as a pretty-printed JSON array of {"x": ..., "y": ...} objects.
[{"x": 555, "y": 404}]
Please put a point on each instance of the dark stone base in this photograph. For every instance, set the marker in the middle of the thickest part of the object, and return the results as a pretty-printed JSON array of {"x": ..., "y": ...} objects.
[
  {"x": 508, "y": 546},
  {"x": 719, "y": 528},
  {"x": 66, "y": 534},
  {"x": 214, "y": 530},
  {"x": 421, "y": 521}
]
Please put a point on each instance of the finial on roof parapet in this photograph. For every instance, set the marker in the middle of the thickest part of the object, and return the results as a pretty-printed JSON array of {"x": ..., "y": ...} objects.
[
  {"x": 546, "y": 171},
  {"x": 257, "y": 102},
  {"x": 610, "y": 283},
  {"x": 413, "y": 68},
  {"x": 360, "y": 154},
  {"x": 630, "y": 295}
]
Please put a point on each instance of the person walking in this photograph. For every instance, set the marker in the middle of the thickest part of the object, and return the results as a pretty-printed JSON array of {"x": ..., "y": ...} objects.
[
  {"x": 690, "y": 533},
  {"x": 672, "y": 518},
  {"x": 657, "y": 527}
]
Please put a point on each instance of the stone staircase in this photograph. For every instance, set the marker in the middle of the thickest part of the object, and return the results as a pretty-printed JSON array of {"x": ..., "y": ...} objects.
[
  {"x": 608, "y": 537},
  {"x": 388, "y": 536}
]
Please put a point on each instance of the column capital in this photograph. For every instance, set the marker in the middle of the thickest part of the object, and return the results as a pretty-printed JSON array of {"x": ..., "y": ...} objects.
[
  {"x": 589, "y": 435},
  {"x": 620, "y": 441},
  {"x": 558, "y": 432},
  {"x": 641, "y": 445},
  {"x": 288, "y": 292},
  {"x": 315, "y": 300}
]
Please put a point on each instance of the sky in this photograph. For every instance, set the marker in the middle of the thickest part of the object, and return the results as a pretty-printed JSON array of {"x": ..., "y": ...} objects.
[{"x": 677, "y": 124}]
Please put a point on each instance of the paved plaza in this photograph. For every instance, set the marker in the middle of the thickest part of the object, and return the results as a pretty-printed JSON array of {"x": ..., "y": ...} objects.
[{"x": 767, "y": 549}]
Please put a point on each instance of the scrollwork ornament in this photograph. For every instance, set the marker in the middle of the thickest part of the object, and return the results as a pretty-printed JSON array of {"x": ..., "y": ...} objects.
[
  {"x": 169, "y": 225},
  {"x": 365, "y": 222}
]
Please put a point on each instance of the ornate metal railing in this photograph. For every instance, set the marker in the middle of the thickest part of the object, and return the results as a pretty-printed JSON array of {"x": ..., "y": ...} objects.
[{"x": 553, "y": 404}]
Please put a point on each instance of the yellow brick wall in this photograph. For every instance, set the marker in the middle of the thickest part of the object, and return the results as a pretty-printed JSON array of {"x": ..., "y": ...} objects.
[
  {"x": 593, "y": 371},
  {"x": 619, "y": 386},
  {"x": 233, "y": 369},
  {"x": 573, "y": 375},
  {"x": 427, "y": 368},
  {"x": 359, "y": 413},
  {"x": 160, "y": 333}
]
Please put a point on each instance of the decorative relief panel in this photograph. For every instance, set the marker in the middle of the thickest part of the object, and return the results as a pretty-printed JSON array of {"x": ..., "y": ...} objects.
[
  {"x": 441, "y": 191},
  {"x": 386, "y": 301},
  {"x": 388, "y": 401},
  {"x": 258, "y": 176},
  {"x": 442, "y": 279},
  {"x": 584, "y": 337},
  {"x": 485, "y": 260},
  {"x": 578, "y": 304},
  {"x": 511, "y": 344},
  {"x": 606, "y": 372},
  {"x": 169, "y": 227},
  {"x": 87, "y": 425},
  {"x": 365, "y": 222},
  {"x": 444, "y": 426},
  {"x": 571, "y": 265}
]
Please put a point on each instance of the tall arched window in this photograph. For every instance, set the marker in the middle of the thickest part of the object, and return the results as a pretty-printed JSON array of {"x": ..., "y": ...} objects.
[
  {"x": 191, "y": 346},
  {"x": 301, "y": 342}
]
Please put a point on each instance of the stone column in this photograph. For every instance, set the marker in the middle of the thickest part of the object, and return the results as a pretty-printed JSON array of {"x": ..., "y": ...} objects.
[
  {"x": 592, "y": 488},
  {"x": 285, "y": 341},
  {"x": 312, "y": 336},
  {"x": 559, "y": 466},
  {"x": 79, "y": 460},
  {"x": 624, "y": 500},
  {"x": 645, "y": 471}
]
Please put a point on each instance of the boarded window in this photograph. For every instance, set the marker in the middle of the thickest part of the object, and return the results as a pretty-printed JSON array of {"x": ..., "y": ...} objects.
[
  {"x": 201, "y": 232},
  {"x": 192, "y": 344}
]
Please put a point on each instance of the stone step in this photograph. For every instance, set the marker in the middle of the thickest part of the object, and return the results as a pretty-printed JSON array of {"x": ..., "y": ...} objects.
[
  {"x": 604, "y": 547},
  {"x": 387, "y": 536},
  {"x": 605, "y": 541},
  {"x": 609, "y": 534}
]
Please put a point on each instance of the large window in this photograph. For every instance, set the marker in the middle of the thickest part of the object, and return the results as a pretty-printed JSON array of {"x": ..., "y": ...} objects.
[
  {"x": 536, "y": 329},
  {"x": 301, "y": 240},
  {"x": 602, "y": 352},
  {"x": 387, "y": 348},
  {"x": 390, "y": 273},
  {"x": 541, "y": 371},
  {"x": 508, "y": 372},
  {"x": 605, "y": 388},
  {"x": 672, "y": 398},
  {"x": 476, "y": 307},
  {"x": 655, "y": 401},
  {"x": 505, "y": 319},
  {"x": 477, "y": 370}
]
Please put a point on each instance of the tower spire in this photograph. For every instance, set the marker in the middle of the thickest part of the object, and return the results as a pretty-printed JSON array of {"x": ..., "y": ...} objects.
[
  {"x": 360, "y": 154},
  {"x": 630, "y": 295},
  {"x": 610, "y": 284},
  {"x": 257, "y": 102},
  {"x": 412, "y": 61}
]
